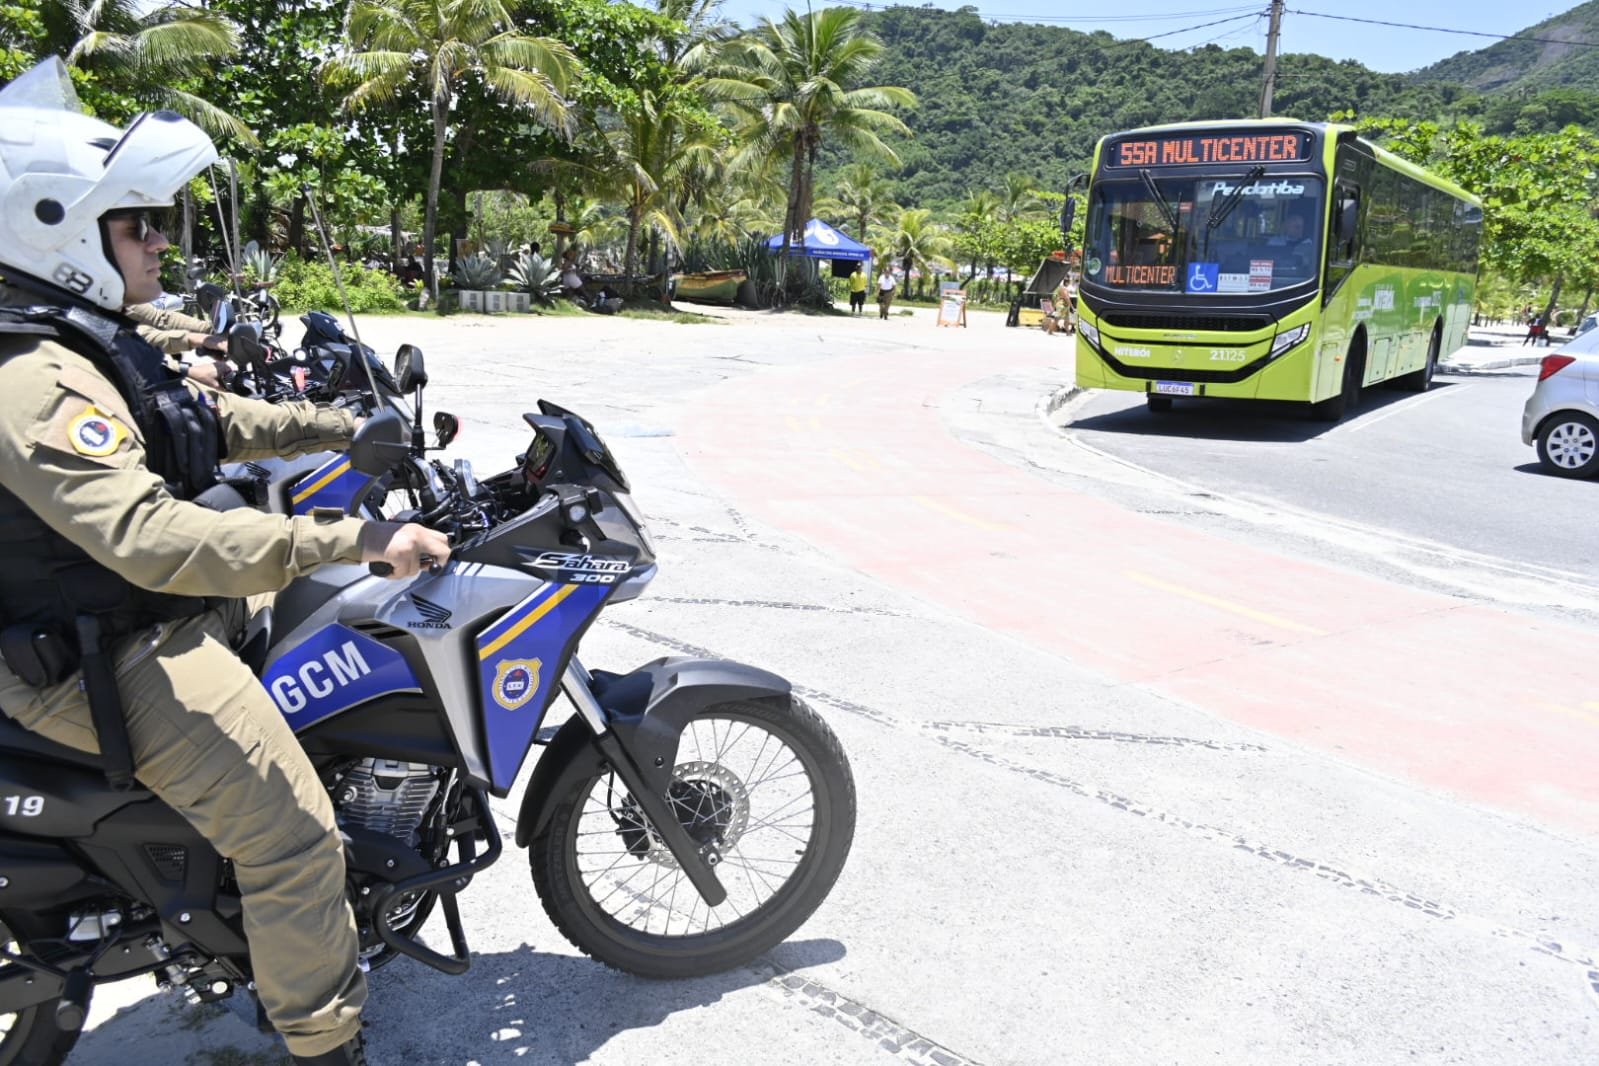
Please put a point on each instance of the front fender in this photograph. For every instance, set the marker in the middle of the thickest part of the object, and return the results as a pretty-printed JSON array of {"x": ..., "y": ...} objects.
[{"x": 648, "y": 709}]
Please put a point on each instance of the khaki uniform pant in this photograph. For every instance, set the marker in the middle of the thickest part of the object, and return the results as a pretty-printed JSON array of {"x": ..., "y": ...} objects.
[{"x": 209, "y": 741}]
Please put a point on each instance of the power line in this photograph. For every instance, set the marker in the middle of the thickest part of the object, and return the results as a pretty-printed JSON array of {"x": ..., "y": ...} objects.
[
  {"x": 1445, "y": 29},
  {"x": 1251, "y": 12}
]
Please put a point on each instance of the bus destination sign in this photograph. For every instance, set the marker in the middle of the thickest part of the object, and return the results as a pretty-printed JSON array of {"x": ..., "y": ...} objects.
[{"x": 1199, "y": 149}]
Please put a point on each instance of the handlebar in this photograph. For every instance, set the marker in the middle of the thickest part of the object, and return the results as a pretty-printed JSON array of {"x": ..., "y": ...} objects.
[{"x": 382, "y": 569}]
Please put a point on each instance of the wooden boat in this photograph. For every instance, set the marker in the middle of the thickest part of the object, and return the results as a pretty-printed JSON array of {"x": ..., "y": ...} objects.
[{"x": 711, "y": 286}]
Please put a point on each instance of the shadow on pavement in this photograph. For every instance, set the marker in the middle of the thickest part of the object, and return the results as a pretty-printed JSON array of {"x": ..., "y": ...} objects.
[
  {"x": 1238, "y": 420},
  {"x": 524, "y": 1007},
  {"x": 1537, "y": 470}
]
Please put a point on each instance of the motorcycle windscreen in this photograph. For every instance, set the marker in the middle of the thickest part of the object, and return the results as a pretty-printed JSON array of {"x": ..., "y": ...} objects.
[
  {"x": 335, "y": 669},
  {"x": 520, "y": 661},
  {"x": 334, "y": 484}
]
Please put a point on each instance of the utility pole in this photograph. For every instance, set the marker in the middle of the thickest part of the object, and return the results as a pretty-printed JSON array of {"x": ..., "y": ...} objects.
[{"x": 1272, "y": 32}]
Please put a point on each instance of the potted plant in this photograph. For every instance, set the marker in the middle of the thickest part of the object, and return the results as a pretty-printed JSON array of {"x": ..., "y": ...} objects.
[
  {"x": 476, "y": 277},
  {"x": 536, "y": 279}
]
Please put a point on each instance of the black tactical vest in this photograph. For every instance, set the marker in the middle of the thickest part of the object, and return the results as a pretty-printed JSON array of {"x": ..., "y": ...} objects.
[{"x": 45, "y": 579}]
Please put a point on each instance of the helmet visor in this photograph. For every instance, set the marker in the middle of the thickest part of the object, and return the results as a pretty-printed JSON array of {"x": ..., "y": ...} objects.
[{"x": 46, "y": 86}]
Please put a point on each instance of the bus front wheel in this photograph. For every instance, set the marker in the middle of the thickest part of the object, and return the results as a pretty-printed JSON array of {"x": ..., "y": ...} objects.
[{"x": 1348, "y": 398}]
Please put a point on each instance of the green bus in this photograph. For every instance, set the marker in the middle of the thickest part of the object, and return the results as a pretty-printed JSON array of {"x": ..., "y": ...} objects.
[{"x": 1269, "y": 259}]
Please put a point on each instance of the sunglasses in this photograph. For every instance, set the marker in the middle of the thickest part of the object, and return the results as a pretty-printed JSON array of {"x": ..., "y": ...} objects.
[{"x": 143, "y": 220}]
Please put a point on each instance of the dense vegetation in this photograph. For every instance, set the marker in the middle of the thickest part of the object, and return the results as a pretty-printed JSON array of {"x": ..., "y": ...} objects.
[
  {"x": 1556, "y": 53},
  {"x": 661, "y": 136}
]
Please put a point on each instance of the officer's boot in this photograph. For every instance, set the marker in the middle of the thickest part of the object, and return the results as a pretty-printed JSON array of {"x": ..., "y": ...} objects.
[{"x": 351, "y": 1053}]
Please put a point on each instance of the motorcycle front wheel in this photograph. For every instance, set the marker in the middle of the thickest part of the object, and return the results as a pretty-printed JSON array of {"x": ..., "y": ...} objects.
[{"x": 767, "y": 781}]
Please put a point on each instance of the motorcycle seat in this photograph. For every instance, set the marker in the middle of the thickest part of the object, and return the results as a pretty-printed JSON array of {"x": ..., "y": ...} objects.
[{"x": 17, "y": 742}]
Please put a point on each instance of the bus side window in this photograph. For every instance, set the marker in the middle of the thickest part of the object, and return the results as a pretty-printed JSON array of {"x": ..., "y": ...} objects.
[{"x": 1343, "y": 238}]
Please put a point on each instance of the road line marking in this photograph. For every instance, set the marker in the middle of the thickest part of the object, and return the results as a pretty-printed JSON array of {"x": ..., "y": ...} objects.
[
  {"x": 1224, "y": 605},
  {"x": 1399, "y": 408},
  {"x": 842, "y": 456},
  {"x": 1560, "y": 708},
  {"x": 816, "y": 424},
  {"x": 793, "y": 423},
  {"x": 954, "y": 512},
  {"x": 823, "y": 400}
]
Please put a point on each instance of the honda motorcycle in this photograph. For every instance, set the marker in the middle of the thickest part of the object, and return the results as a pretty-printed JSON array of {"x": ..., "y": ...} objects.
[{"x": 688, "y": 816}]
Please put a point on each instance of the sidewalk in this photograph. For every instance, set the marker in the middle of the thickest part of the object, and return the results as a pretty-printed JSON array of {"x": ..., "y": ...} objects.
[{"x": 1498, "y": 348}]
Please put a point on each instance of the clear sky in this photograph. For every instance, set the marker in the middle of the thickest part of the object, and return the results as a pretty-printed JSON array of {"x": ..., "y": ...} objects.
[{"x": 1378, "y": 47}]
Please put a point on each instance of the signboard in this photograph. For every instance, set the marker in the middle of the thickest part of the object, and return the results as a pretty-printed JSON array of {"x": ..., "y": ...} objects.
[
  {"x": 952, "y": 308},
  {"x": 1200, "y": 149}
]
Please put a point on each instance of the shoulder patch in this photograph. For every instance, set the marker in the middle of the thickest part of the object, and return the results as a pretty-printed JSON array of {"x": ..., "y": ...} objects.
[{"x": 95, "y": 433}]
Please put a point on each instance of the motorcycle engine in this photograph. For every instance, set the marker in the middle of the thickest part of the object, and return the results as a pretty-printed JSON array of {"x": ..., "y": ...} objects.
[{"x": 387, "y": 796}]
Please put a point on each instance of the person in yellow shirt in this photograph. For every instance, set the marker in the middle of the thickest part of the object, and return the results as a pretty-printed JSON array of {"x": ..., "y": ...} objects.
[{"x": 857, "y": 291}]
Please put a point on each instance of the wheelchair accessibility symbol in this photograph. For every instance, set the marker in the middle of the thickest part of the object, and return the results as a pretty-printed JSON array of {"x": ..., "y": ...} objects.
[{"x": 1203, "y": 277}]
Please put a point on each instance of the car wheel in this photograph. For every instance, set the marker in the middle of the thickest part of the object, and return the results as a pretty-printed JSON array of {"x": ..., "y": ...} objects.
[{"x": 1568, "y": 445}]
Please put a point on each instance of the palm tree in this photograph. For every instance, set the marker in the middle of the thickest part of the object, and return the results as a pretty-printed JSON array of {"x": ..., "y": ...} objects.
[
  {"x": 861, "y": 199},
  {"x": 975, "y": 211},
  {"x": 655, "y": 146},
  {"x": 918, "y": 241},
  {"x": 439, "y": 43},
  {"x": 145, "y": 50},
  {"x": 1018, "y": 197},
  {"x": 794, "y": 82}
]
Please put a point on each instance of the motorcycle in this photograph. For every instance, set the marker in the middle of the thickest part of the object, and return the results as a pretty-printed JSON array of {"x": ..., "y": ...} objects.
[{"x": 690, "y": 815}]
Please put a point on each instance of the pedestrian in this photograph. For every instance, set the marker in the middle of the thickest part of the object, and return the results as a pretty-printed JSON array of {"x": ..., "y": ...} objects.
[
  {"x": 1535, "y": 329},
  {"x": 885, "y": 292},
  {"x": 857, "y": 290},
  {"x": 1526, "y": 316},
  {"x": 178, "y": 334},
  {"x": 101, "y": 455}
]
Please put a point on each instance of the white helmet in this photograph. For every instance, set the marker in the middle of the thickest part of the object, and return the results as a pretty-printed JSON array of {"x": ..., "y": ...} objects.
[{"x": 61, "y": 170}]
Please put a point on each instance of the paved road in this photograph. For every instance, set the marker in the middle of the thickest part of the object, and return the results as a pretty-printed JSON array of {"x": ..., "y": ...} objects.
[
  {"x": 1073, "y": 843},
  {"x": 1447, "y": 465}
]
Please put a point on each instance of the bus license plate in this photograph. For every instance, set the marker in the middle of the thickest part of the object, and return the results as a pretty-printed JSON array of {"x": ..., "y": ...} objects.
[{"x": 1175, "y": 388}]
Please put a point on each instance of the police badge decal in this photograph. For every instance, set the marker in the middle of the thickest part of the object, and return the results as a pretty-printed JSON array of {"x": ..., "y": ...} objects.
[
  {"x": 95, "y": 434},
  {"x": 515, "y": 682}
]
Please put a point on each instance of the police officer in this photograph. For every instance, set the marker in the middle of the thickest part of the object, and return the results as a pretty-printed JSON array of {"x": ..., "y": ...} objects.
[
  {"x": 178, "y": 334},
  {"x": 101, "y": 450}
]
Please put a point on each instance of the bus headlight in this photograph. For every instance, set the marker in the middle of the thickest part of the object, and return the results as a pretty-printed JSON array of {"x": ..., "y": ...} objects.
[
  {"x": 1287, "y": 340},
  {"x": 1089, "y": 332}
]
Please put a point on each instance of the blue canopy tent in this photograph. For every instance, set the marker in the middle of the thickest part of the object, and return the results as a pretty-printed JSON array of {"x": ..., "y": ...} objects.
[{"x": 824, "y": 242}]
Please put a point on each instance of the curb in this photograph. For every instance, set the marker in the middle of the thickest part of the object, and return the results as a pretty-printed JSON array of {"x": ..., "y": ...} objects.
[{"x": 1492, "y": 364}]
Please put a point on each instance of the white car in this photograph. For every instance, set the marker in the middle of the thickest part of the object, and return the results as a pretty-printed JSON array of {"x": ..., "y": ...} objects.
[{"x": 1562, "y": 414}]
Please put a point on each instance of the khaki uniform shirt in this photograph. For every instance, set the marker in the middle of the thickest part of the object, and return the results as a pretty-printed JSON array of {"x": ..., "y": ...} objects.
[
  {"x": 89, "y": 482},
  {"x": 167, "y": 330}
]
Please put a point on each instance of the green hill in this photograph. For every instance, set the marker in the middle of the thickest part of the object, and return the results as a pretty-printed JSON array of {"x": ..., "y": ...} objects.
[
  {"x": 1559, "y": 59},
  {"x": 997, "y": 98}
]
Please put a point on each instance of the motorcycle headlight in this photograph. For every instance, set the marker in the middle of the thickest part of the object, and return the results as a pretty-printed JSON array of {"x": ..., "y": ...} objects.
[
  {"x": 1089, "y": 332},
  {"x": 1287, "y": 340}
]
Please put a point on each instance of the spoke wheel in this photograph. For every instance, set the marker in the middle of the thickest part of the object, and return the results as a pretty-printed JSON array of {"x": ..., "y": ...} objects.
[
  {"x": 1569, "y": 445},
  {"x": 765, "y": 783},
  {"x": 30, "y": 1037}
]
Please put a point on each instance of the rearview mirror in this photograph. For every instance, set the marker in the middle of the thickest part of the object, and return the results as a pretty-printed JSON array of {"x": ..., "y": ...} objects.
[
  {"x": 447, "y": 426},
  {"x": 409, "y": 371},
  {"x": 209, "y": 296},
  {"x": 382, "y": 442},
  {"x": 244, "y": 343},
  {"x": 1068, "y": 215}
]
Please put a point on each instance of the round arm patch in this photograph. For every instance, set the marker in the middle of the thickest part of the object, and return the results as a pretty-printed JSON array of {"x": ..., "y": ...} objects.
[{"x": 95, "y": 433}]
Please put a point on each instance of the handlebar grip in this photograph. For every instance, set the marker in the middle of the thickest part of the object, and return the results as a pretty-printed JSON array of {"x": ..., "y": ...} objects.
[{"x": 380, "y": 569}]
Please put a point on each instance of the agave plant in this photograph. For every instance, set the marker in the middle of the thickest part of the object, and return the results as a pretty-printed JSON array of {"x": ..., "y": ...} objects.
[
  {"x": 537, "y": 276},
  {"x": 477, "y": 271},
  {"x": 259, "y": 266}
]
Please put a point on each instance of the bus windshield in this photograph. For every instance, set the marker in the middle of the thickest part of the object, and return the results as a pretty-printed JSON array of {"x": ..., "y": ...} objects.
[{"x": 1240, "y": 233}]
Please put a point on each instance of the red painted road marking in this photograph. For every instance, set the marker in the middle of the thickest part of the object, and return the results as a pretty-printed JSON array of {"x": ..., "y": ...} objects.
[{"x": 1485, "y": 704}]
